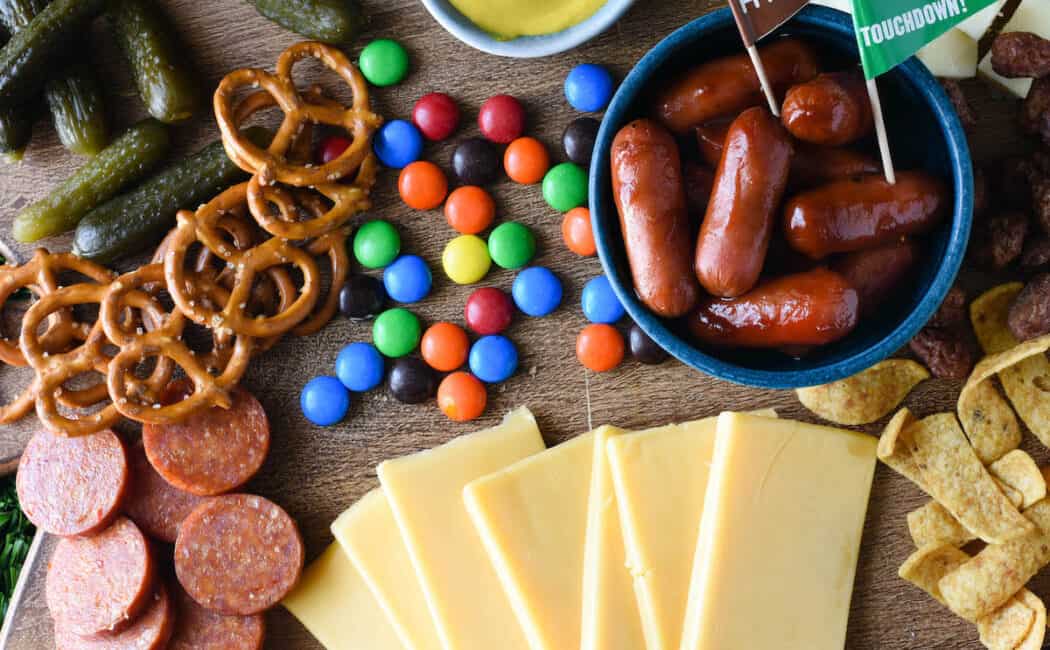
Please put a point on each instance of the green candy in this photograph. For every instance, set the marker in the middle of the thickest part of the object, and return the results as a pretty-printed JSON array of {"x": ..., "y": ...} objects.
[
  {"x": 511, "y": 245},
  {"x": 384, "y": 62},
  {"x": 565, "y": 187},
  {"x": 396, "y": 332},
  {"x": 376, "y": 244}
]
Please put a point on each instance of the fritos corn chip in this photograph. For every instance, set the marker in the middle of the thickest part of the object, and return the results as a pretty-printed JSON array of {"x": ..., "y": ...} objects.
[
  {"x": 987, "y": 418},
  {"x": 895, "y": 451},
  {"x": 1018, "y": 470},
  {"x": 866, "y": 396},
  {"x": 1034, "y": 640},
  {"x": 1009, "y": 626},
  {"x": 933, "y": 524},
  {"x": 927, "y": 566}
]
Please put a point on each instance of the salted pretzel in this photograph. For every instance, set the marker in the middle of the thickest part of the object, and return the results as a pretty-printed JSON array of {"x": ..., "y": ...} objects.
[{"x": 272, "y": 164}]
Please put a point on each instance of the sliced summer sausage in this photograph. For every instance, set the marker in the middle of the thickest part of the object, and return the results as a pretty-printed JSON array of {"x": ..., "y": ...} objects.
[
  {"x": 157, "y": 506},
  {"x": 198, "y": 628},
  {"x": 73, "y": 486},
  {"x": 214, "y": 450},
  {"x": 150, "y": 631},
  {"x": 100, "y": 584},
  {"x": 238, "y": 554}
]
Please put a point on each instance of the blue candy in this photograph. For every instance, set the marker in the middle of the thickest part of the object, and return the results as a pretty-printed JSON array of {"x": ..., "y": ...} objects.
[
  {"x": 600, "y": 304},
  {"x": 589, "y": 87},
  {"x": 493, "y": 358},
  {"x": 398, "y": 144},
  {"x": 324, "y": 401},
  {"x": 536, "y": 291},
  {"x": 407, "y": 279},
  {"x": 359, "y": 366}
]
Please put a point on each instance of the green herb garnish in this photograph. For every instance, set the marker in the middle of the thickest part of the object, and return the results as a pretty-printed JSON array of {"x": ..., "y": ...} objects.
[{"x": 16, "y": 535}]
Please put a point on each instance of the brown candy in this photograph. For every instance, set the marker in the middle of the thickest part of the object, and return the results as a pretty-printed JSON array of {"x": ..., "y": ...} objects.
[
  {"x": 1035, "y": 111},
  {"x": 949, "y": 353},
  {"x": 1029, "y": 316},
  {"x": 1021, "y": 54},
  {"x": 998, "y": 240},
  {"x": 962, "y": 106},
  {"x": 1036, "y": 254}
]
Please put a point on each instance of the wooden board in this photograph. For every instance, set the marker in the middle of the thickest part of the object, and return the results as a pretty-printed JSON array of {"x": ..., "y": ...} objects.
[{"x": 315, "y": 473}]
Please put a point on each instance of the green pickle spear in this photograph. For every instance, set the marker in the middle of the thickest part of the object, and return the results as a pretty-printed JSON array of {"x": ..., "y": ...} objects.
[
  {"x": 330, "y": 21},
  {"x": 158, "y": 63},
  {"x": 15, "y": 130},
  {"x": 126, "y": 160}
]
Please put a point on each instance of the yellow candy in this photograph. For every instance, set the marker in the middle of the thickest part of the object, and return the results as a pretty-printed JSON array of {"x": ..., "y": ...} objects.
[{"x": 466, "y": 259}]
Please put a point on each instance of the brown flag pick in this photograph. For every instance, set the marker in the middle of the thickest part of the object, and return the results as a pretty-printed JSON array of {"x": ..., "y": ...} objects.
[{"x": 757, "y": 18}]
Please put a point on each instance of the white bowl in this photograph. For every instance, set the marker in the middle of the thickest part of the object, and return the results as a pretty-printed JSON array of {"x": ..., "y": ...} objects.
[{"x": 525, "y": 47}]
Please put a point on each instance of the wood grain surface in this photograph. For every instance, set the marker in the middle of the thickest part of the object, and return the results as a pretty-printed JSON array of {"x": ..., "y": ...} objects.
[{"x": 315, "y": 473}]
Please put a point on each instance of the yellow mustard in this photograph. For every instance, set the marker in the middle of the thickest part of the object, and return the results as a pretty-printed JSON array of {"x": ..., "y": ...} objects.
[{"x": 509, "y": 19}]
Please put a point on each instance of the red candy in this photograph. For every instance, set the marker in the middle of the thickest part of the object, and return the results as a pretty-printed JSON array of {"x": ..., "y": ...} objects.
[
  {"x": 436, "y": 115},
  {"x": 331, "y": 148},
  {"x": 502, "y": 119},
  {"x": 488, "y": 311}
]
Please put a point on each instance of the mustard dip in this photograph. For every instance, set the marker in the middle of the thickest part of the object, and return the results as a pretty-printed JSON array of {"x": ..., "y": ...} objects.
[{"x": 509, "y": 19}]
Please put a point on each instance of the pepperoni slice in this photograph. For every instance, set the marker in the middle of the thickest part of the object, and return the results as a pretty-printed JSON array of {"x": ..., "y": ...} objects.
[
  {"x": 238, "y": 554},
  {"x": 213, "y": 451},
  {"x": 155, "y": 505},
  {"x": 100, "y": 584},
  {"x": 150, "y": 631},
  {"x": 202, "y": 629},
  {"x": 73, "y": 486}
]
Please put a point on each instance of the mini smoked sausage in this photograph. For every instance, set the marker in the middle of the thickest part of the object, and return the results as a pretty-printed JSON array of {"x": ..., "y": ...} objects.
[
  {"x": 729, "y": 85},
  {"x": 749, "y": 186},
  {"x": 812, "y": 308},
  {"x": 875, "y": 272},
  {"x": 831, "y": 110},
  {"x": 650, "y": 197},
  {"x": 864, "y": 212}
]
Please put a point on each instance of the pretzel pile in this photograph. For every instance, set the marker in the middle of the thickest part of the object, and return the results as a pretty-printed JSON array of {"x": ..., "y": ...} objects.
[{"x": 243, "y": 268}]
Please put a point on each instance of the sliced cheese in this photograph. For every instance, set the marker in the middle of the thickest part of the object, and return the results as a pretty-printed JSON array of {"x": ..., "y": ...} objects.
[
  {"x": 610, "y": 610},
  {"x": 780, "y": 536},
  {"x": 1031, "y": 16},
  {"x": 368, "y": 534},
  {"x": 425, "y": 490},
  {"x": 333, "y": 602},
  {"x": 953, "y": 55},
  {"x": 977, "y": 25},
  {"x": 532, "y": 518}
]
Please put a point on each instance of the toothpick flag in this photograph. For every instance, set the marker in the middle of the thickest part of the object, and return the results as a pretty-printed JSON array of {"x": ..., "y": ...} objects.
[{"x": 757, "y": 18}]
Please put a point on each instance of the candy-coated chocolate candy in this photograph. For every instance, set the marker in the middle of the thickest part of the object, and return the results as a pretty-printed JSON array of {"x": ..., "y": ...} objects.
[
  {"x": 502, "y": 119},
  {"x": 407, "y": 279},
  {"x": 331, "y": 148},
  {"x": 398, "y": 144},
  {"x": 445, "y": 346},
  {"x": 466, "y": 259},
  {"x": 599, "y": 301},
  {"x": 470, "y": 209},
  {"x": 577, "y": 233},
  {"x": 376, "y": 244},
  {"x": 526, "y": 161},
  {"x": 488, "y": 311},
  {"x": 324, "y": 401},
  {"x": 362, "y": 297},
  {"x": 600, "y": 347},
  {"x": 643, "y": 348},
  {"x": 411, "y": 381},
  {"x": 578, "y": 140},
  {"x": 589, "y": 87},
  {"x": 436, "y": 115},
  {"x": 476, "y": 161},
  {"x": 359, "y": 366},
  {"x": 384, "y": 62},
  {"x": 422, "y": 185},
  {"x": 462, "y": 397},
  {"x": 493, "y": 358},
  {"x": 396, "y": 332},
  {"x": 511, "y": 245},
  {"x": 537, "y": 291},
  {"x": 565, "y": 187}
]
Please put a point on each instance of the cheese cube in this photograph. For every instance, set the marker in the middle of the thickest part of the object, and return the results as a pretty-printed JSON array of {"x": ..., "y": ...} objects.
[
  {"x": 333, "y": 602},
  {"x": 952, "y": 55},
  {"x": 610, "y": 611},
  {"x": 425, "y": 490},
  {"x": 368, "y": 534},
  {"x": 978, "y": 24},
  {"x": 532, "y": 518},
  {"x": 1031, "y": 16},
  {"x": 780, "y": 536}
]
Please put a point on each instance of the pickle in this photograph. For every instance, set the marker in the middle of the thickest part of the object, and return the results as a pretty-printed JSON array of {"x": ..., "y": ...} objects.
[
  {"x": 75, "y": 100},
  {"x": 124, "y": 161},
  {"x": 330, "y": 21},
  {"x": 158, "y": 63},
  {"x": 132, "y": 222},
  {"x": 29, "y": 57},
  {"x": 15, "y": 130}
]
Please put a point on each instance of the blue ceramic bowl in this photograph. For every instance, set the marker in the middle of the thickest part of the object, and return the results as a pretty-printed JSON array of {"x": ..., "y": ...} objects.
[
  {"x": 526, "y": 46},
  {"x": 925, "y": 133}
]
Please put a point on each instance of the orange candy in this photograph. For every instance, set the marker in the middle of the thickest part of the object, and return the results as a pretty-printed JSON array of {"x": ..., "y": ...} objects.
[
  {"x": 461, "y": 396},
  {"x": 470, "y": 209},
  {"x": 600, "y": 347},
  {"x": 445, "y": 346},
  {"x": 577, "y": 233},
  {"x": 526, "y": 161},
  {"x": 422, "y": 185}
]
